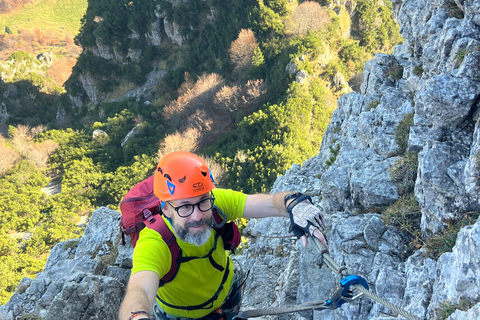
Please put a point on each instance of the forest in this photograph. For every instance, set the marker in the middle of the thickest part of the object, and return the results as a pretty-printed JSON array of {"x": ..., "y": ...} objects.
[{"x": 227, "y": 95}]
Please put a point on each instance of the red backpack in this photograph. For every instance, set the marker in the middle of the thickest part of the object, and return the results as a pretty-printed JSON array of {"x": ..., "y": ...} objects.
[{"x": 140, "y": 208}]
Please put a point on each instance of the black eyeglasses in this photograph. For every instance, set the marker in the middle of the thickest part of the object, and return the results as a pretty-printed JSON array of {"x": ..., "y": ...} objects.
[{"x": 186, "y": 210}]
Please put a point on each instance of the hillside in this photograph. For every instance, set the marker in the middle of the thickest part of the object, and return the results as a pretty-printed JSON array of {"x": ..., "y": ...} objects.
[
  {"x": 397, "y": 177},
  {"x": 42, "y": 28}
]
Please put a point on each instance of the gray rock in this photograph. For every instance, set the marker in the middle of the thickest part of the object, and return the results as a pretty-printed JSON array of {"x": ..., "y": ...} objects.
[
  {"x": 154, "y": 36},
  {"x": 98, "y": 133},
  {"x": 473, "y": 313},
  {"x": 130, "y": 135},
  {"x": 472, "y": 167},
  {"x": 458, "y": 272},
  {"x": 445, "y": 101},
  {"x": 301, "y": 76},
  {"x": 172, "y": 32},
  {"x": 420, "y": 275},
  {"x": 80, "y": 280},
  {"x": 90, "y": 87},
  {"x": 103, "y": 51},
  {"x": 46, "y": 58},
  {"x": 439, "y": 196},
  {"x": 419, "y": 136},
  {"x": 379, "y": 72}
]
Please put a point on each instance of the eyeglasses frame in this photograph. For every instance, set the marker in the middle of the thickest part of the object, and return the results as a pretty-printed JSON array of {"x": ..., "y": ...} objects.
[{"x": 212, "y": 200}]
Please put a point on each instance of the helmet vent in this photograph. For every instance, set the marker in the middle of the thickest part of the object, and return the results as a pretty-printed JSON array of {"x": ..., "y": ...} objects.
[
  {"x": 166, "y": 175},
  {"x": 182, "y": 180},
  {"x": 204, "y": 173},
  {"x": 159, "y": 170}
]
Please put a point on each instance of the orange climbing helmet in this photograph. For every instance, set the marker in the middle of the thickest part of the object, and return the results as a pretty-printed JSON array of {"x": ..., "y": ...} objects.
[{"x": 181, "y": 175}]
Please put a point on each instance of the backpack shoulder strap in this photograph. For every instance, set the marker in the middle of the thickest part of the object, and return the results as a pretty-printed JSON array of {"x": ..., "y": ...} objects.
[{"x": 161, "y": 227}]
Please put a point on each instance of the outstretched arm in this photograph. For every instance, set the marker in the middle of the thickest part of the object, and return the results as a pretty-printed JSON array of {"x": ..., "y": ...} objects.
[
  {"x": 265, "y": 205},
  {"x": 140, "y": 296},
  {"x": 273, "y": 205}
]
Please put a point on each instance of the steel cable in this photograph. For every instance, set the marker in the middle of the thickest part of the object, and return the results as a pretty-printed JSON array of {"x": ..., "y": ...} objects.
[{"x": 329, "y": 262}]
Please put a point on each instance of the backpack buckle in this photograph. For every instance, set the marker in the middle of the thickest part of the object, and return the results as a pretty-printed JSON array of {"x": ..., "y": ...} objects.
[{"x": 148, "y": 216}]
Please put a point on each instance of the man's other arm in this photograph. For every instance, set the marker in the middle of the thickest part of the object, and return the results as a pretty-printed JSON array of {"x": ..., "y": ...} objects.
[{"x": 140, "y": 296}]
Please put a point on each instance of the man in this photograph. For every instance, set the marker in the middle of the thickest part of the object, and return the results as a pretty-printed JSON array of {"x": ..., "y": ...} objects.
[{"x": 204, "y": 285}]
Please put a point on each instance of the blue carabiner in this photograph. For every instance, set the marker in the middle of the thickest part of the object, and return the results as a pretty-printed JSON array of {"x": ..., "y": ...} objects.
[{"x": 337, "y": 298}]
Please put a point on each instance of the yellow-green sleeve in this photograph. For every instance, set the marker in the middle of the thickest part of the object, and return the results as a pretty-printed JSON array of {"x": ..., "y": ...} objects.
[{"x": 232, "y": 203}]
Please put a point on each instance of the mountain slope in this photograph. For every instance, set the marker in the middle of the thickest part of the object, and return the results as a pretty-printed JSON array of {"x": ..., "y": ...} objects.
[{"x": 433, "y": 75}]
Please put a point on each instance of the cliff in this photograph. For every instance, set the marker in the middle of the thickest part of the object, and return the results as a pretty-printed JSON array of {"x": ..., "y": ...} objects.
[{"x": 433, "y": 79}]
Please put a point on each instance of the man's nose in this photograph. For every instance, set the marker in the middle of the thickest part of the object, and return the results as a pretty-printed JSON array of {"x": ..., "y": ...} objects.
[{"x": 197, "y": 215}]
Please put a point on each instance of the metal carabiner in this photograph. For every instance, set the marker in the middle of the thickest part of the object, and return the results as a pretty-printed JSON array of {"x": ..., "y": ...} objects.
[{"x": 343, "y": 293}]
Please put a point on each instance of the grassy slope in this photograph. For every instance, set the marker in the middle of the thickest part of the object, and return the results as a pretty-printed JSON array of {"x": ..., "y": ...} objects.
[{"x": 61, "y": 16}]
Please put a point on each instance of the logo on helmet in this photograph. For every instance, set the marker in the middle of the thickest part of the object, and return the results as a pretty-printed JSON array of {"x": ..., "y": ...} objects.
[
  {"x": 198, "y": 187},
  {"x": 171, "y": 187}
]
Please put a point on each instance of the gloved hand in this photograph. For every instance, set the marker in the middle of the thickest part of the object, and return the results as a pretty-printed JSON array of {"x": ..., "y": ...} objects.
[{"x": 305, "y": 218}]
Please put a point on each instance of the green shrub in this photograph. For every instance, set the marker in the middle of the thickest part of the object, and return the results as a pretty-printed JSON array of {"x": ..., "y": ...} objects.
[
  {"x": 334, "y": 153},
  {"x": 404, "y": 173},
  {"x": 461, "y": 54},
  {"x": 405, "y": 215},
  {"x": 455, "y": 11},
  {"x": 381, "y": 33},
  {"x": 372, "y": 104},
  {"x": 396, "y": 72},
  {"x": 445, "y": 240},
  {"x": 418, "y": 71},
  {"x": 403, "y": 132},
  {"x": 448, "y": 308}
]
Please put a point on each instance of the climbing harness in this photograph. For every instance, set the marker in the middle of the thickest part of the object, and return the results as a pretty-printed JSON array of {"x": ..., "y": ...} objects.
[
  {"x": 349, "y": 288},
  {"x": 229, "y": 308}
]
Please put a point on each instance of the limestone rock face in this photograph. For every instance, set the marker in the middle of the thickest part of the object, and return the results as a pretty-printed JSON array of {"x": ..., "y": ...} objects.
[
  {"x": 172, "y": 32},
  {"x": 83, "y": 278},
  {"x": 352, "y": 171},
  {"x": 91, "y": 88},
  {"x": 458, "y": 272},
  {"x": 103, "y": 51},
  {"x": 155, "y": 36}
]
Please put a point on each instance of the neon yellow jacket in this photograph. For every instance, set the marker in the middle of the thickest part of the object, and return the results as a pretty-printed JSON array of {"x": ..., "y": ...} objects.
[{"x": 197, "y": 280}]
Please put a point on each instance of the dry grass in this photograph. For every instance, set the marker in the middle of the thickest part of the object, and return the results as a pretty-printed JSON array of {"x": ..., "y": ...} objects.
[
  {"x": 445, "y": 241},
  {"x": 405, "y": 215}
]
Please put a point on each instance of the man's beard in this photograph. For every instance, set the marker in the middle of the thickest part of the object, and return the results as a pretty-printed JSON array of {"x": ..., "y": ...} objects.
[{"x": 198, "y": 238}]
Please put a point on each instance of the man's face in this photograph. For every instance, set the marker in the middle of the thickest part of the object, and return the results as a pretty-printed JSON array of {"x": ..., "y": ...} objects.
[{"x": 194, "y": 229}]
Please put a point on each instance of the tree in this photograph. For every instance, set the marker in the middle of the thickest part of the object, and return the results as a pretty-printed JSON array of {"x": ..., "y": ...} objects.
[
  {"x": 257, "y": 69},
  {"x": 266, "y": 23},
  {"x": 242, "y": 50},
  {"x": 279, "y": 6},
  {"x": 306, "y": 17}
]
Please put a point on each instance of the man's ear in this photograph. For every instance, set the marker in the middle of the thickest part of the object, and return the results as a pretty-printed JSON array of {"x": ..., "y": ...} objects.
[{"x": 167, "y": 211}]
